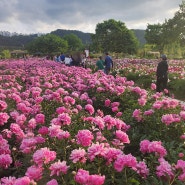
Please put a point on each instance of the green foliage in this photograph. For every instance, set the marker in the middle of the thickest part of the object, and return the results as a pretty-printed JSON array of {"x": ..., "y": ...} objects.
[
  {"x": 177, "y": 86},
  {"x": 74, "y": 42},
  {"x": 114, "y": 36},
  {"x": 5, "y": 54},
  {"x": 48, "y": 44}
]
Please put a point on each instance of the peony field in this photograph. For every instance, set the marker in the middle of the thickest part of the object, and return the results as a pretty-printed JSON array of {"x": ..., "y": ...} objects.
[{"x": 67, "y": 125}]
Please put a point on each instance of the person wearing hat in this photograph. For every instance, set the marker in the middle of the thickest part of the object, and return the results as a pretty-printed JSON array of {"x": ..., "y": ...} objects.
[{"x": 162, "y": 74}]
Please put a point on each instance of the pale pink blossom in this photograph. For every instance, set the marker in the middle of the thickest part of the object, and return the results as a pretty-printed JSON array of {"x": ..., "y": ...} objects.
[
  {"x": 115, "y": 109},
  {"x": 52, "y": 182},
  {"x": 182, "y": 114},
  {"x": 153, "y": 86},
  {"x": 164, "y": 169},
  {"x": 137, "y": 114},
  {"x": 142, "y": 101},
  {"x": 123, "y": 161},
  {"x": 58, "y": 167},
  {"x": 43, "y": 155},
  {"x": 142, "y": 169},
  {"x": 7, "y": 180},
  {"x": 122, "y": 136},
  {"x": 97, "y": 149},
  {"x": 64, "y": 119},
  {"x": 111, "y": 154},
  {"x": 119, "y": 114},
  {"x": 149, "y": 112},
  {"x": 153, "y": 147},
  {"x": 78, "y": 155}
]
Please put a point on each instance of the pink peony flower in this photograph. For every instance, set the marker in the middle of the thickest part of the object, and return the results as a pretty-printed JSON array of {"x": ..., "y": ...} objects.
[
  {"x": 96, "y": 150},
  {"x": 7, "y": 180},
  {"x": 43, "y": 155},
  {"x": 125, "y": 161},
  {"x": 90, "y": 109},
  {"x": 164, "y": 169},
  {"x": 96, "y": 179},
  {"x": 3, "y": 105},
  {"x": 5, "y": 161},
  {"x": 153, "y": 86},
  {"x": 34, "y": 172},
  {"x": 107, "y": 103},
  {"x": 119, "y": 114},
  {"x": 52, "y": 182},
  {"x": 122, "y": 136},
  {"x": 58, "y": 167},
  {"x": 84, "y": 137},
  {"x": 152, "y": 147},
  {"x": 3, "y": 118},
  {"x": 78, "y": 155},
  {"x": 43, "y": 130},
  {"x": 22, "y": 181},
  {"x": 142, "y": 169},
  {"x": 82, "y": 176},
  {"x": 137, "y": 115},
  {"x": 40, "y": 118}
]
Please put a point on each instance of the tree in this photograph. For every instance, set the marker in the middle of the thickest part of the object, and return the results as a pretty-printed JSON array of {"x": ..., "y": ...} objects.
[
  {"x": 114, "y": 36},
  {"x": 154, "y": 35},
  {"x": 47, "y": 44},
  {"x": 171, "y": 32},
  {"x": 74, "y": 42},
  {"x": 6, "y": 54}
]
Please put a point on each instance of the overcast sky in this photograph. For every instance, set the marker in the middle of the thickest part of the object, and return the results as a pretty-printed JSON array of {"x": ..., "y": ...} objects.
[{"x": 44, "y": 16}]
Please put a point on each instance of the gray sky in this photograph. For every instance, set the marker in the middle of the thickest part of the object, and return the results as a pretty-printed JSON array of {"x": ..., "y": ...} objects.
[{"x": 44, "y": 16}]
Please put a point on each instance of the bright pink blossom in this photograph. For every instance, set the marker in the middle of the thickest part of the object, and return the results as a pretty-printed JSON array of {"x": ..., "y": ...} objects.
[
  {"x": 82, "y": 177},
  {"x": 34, "y": 172},
  {"x": 40, "y": 118},
  {"x": 3, "y": 105},
  {"x": 3, "y": 118},
  {"x": 5, "y": 161},
  {"x": 89, "y": 108},
  {"x": 84, "y": 137}
]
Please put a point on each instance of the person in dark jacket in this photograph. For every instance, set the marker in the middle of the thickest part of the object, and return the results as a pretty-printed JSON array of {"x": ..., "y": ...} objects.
[
  {"x": 108, "y": 64},
  {"x": 162, "y": 74}
]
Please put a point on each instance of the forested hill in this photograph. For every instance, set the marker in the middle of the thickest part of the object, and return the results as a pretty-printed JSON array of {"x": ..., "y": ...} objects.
[
  {"x": 19, "y": 41},
  {"x": 85, "y": 37},
  {"x": 140, "y": 34}
]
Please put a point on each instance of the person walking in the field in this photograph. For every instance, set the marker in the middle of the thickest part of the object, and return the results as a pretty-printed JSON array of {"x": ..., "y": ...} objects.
[
  {"x": 108, "y": 63},
  {"x": 162, "y": 74}
]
